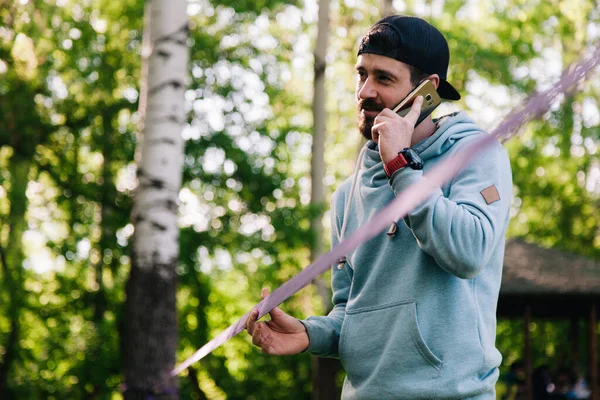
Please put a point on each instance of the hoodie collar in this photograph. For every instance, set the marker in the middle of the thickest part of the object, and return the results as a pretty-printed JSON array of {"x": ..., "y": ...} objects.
[{"x": 451, "y": 128}]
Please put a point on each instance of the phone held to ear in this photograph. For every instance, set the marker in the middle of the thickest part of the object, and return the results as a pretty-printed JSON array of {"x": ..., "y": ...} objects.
[{"x": 431, "y": 100}]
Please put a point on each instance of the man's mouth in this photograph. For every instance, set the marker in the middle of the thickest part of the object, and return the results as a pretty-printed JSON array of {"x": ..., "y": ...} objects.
[{"x": 370, "y": 113}]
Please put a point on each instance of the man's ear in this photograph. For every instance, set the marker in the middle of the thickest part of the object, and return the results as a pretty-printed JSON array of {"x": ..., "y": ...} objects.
[{"x": 435, "y": 79}]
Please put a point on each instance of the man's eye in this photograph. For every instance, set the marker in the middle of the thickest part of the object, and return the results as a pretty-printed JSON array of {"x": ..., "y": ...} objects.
[
  {"x": 362, "y": 75},
  {"x": 384, "y": 78}
]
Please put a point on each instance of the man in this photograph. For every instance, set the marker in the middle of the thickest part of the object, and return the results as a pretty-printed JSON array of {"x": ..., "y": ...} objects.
[{"x": 414, "y": 309}]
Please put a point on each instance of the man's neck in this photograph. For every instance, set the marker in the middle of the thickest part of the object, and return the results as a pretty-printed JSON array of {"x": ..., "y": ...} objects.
[{"x": 424, "y": 130}]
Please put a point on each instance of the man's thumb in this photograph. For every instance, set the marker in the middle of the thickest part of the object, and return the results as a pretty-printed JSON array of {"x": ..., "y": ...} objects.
[{"x": 276, "y": 312}]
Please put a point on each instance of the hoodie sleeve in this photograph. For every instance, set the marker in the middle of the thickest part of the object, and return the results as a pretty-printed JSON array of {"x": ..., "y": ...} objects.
[
  {"x": 461, "y": 230},
  {"x": 324, "y": 332}
]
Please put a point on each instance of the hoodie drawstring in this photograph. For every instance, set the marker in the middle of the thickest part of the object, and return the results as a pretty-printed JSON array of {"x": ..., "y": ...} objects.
[{"x": 342, "y": 261}]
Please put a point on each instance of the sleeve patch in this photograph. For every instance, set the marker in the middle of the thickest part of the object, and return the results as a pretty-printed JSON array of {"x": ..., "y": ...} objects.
[{"x": 490, "y": 194}]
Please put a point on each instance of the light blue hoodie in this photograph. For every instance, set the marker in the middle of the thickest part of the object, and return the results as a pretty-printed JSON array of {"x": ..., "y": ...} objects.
[{"x": 414, "y": 315}]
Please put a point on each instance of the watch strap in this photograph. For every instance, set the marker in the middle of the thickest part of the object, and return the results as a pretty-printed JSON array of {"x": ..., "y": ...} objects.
[{"x": 394, "y": 165}]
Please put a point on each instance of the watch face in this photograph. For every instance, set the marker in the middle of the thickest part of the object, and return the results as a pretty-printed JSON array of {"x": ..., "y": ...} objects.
[{"x": 413, "y": 159}]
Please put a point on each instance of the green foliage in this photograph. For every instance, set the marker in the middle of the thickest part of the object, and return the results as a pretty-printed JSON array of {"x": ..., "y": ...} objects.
[{"x": 63, "y": 106}]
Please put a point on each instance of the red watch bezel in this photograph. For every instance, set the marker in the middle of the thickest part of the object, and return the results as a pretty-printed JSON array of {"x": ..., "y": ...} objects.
[{"x": 395, "y": 165}]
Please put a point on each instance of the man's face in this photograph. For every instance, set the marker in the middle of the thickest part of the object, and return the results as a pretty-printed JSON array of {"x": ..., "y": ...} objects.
[{"x": 382, "y": 82}]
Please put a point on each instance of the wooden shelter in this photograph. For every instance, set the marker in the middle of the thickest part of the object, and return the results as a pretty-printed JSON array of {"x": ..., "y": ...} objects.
[{"x": 546, "y": 283}]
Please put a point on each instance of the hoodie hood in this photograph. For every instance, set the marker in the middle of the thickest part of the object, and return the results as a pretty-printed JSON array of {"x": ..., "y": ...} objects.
[{"x": 451, "y": 128}]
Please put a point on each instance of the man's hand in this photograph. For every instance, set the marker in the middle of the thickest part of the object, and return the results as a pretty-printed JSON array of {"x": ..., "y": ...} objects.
[
  {"x": 282, "y": 335},
  {"x": 392, "y": 132}
]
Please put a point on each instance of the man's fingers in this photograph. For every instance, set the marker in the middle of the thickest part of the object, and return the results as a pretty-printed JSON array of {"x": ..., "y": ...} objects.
[
  {"x": 415, "y": 111},
  {"x": 256, "y": 335},
  {"x": 375, "y": 133},
  {"x": 265, "y": 345},
  {"x": 251, "y": 321},
  {"x": 262, "y": 338},
  {"x": 385, "y": 114}
]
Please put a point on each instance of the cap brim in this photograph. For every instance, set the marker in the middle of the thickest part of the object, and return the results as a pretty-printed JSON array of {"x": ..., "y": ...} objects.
[{"x": 447, "y": 91}]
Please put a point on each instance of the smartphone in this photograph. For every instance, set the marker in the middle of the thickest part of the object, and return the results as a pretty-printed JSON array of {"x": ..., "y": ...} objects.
[{"x": 431, "y": 100}]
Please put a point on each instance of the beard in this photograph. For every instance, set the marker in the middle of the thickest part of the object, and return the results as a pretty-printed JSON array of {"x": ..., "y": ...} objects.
[{"x": 365, "y": 124}]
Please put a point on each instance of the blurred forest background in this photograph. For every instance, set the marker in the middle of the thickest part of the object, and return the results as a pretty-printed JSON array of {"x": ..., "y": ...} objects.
[{"x": 69, "y": 88}]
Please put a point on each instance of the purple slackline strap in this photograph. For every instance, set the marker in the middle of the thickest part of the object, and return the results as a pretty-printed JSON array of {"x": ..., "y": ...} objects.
[{"x": 531, "y": 108}]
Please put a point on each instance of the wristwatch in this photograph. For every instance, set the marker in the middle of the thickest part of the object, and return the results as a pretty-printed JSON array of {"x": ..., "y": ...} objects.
[{"x": 407, "y": 157}]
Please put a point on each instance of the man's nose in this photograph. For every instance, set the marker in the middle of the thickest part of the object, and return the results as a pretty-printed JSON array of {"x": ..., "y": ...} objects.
[{"x": 367, "y": 90}]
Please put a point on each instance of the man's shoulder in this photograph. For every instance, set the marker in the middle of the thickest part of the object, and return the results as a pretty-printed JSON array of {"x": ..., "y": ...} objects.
[
  {"x": 471, "y": 131},
  {"x": 465, "y": 132}
]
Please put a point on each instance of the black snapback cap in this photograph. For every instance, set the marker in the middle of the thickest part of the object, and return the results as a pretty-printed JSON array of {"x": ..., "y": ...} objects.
[{"x": 418, "y": 44}]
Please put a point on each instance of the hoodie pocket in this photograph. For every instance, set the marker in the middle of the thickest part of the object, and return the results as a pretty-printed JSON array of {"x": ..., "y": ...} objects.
[{"x": 382, "y": 349}]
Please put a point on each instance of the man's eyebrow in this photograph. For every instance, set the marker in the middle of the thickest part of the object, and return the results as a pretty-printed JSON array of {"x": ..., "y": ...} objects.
[
  {"x": 383, "y": 72},
  {"x": 378, "y": 71}
]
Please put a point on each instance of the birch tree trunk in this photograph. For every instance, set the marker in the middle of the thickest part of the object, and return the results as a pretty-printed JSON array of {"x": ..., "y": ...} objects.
[
  {"x": 151, "y": 335},
  {"x": 324, "y": 370},
  {"x": 388, "y": 8}
]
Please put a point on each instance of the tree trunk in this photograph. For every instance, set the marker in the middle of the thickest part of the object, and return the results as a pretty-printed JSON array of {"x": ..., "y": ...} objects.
[
  {"x": 324, "y": 370},
  {"x": 388, "y": 8},
  {"x": 12, "y": 264},
  {"x": 106, "y": 199},
  {"x": 150, "y": 340},
  {"x": 318, "y": 142}
]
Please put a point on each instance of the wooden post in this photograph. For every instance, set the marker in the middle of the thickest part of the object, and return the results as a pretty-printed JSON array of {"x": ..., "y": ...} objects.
[
  {"x": 574, "y": 340},
  {"x": 593, "y": 353},
  {"x": 327, "y": 369},
  {"x": 528, "y": 355}
]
